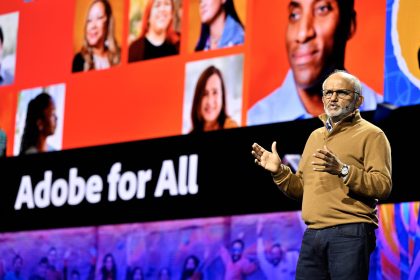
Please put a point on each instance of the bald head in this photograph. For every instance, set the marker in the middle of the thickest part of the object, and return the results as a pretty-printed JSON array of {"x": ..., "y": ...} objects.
[
  {"x": 352, "y": 82},
  {"x": 342, "y": 95}
]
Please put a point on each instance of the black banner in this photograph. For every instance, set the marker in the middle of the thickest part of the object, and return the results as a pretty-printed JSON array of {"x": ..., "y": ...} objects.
[{"x": 190, "y": 176}]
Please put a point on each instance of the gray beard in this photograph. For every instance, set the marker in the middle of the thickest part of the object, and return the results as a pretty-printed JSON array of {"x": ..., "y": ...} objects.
[{"x": 342, "y": 112}]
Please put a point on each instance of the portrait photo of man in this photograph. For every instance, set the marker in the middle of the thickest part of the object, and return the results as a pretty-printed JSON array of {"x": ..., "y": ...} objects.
[{"x": 316, "y": 37}]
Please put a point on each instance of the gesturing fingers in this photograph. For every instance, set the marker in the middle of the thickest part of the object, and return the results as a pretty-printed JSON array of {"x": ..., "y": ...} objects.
[
  {"x": 269, "y": 160},
  {"x": 326, "y": 161},
  {"x": 320, "y": 156},
  {"x": 257, "y": 151},
  {"x": 256, "y": 156},
  {"x": 323, "y": 163},
  {"x": 260, "y": 154},
  {"x": 325, "y": 154}
]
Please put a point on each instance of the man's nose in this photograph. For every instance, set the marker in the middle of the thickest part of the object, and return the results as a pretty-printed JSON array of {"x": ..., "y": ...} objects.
[
  {"x": 334, "y": 96},
  {"x": 306, "y": 30}
]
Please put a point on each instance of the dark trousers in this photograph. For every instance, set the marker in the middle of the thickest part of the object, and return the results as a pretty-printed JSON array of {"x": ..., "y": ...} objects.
[{"x": 339, "y": 252}]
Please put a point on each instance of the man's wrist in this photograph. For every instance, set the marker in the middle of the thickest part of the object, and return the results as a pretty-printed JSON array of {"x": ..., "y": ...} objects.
[{"x": 280, "y": 174}]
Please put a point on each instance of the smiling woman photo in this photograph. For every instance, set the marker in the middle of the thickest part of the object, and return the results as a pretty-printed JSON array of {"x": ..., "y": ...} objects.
[
  {"x": 100, "y": 49},
  {"x": 209, "y": 104},
  {"x": 157, "y": 37}
]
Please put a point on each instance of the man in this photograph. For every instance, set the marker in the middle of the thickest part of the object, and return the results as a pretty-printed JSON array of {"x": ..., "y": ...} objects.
[
  {"x": 237, "y": 266},
  {"x": 191, "y": 269},
  {"x": 316, "y": 37},
  {"x": 279, "y": 264},
  {"x": 345, "y": 169},
  {"x": 6, "y": 77}
]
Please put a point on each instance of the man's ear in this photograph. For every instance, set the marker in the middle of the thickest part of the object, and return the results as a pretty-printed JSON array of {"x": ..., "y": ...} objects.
[{"x": 359, "y": 101}]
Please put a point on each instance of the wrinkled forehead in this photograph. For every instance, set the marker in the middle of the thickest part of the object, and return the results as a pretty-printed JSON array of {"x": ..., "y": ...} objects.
[{"x": 338, "y": 81}]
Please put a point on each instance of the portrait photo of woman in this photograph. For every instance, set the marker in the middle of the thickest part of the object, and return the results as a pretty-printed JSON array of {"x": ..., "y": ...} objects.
[
  {"x": 213, "y": 94},
  {"x": 99, "y": 46},
  {"x": 216, "y": 24},
  {"x": 153, "y": 34},
  {"x": 39, "y": 120}
]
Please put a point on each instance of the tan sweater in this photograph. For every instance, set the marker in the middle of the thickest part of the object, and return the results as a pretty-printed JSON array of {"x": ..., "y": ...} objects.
[{"x": 327, "y": 199}]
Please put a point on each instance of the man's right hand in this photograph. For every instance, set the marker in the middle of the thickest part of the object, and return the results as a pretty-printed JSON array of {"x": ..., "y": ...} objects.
[{"x": 268, "y": 160}]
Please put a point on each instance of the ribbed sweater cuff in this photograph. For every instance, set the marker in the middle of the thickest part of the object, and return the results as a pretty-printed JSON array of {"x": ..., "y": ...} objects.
[{"x": 279, "y": 177}]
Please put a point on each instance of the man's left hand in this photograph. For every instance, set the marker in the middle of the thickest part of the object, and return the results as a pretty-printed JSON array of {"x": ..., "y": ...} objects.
[{"x": 326, "y": 161}]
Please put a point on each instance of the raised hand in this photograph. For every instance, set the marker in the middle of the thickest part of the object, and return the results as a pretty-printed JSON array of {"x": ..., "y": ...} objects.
[{"x": 268, "y": 160}]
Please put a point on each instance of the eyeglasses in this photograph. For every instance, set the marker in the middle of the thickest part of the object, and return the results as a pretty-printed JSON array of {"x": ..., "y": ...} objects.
[{"x": 341, "y": 93}]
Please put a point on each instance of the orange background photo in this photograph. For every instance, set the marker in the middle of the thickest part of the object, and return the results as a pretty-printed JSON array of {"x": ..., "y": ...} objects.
[
  {"x": 144, "y": 100},
  {"x": 268, "y": 62}
]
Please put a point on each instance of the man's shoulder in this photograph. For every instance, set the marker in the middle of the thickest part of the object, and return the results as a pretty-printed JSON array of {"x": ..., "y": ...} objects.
[
  {"x": 267, "y": 101},
  {"x": 261, "y": 112},
  {"x": 370, "y": 126},
  {"x": 366, "y": 127},
  {"x": 278, "y": 106},
  {"x": 317, "y": 132}
]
